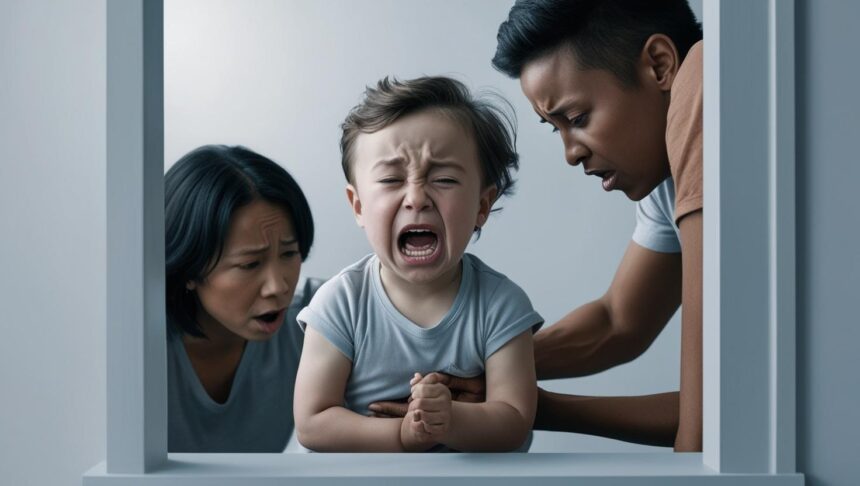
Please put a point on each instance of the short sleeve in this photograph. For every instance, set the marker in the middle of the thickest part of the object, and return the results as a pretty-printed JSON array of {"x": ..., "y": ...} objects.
[
  {"x": 329, "y": 313},
  {"x": 509, "y": 314},
  {"x": 654, "y": 228},
  {"x": 684, "y": 134}
]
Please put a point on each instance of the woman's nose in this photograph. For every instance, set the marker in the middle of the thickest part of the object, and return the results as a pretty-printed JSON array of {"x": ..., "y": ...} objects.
[{"x": 275, "y": 283}]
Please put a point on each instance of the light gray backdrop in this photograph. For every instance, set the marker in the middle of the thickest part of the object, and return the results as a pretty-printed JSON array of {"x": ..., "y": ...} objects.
[{"x": 279, "y": 77}]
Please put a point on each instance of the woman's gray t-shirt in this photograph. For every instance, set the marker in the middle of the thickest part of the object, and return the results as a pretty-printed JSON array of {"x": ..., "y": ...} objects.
[{"x": 258, "y": 414}]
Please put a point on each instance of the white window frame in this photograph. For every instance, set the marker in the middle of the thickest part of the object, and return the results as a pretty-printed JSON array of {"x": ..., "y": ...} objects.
[{"x": 749, "y": 286}]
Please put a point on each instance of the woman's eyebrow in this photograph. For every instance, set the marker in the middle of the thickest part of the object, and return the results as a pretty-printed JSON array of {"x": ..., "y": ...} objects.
[{"x": 253, "y": 250}]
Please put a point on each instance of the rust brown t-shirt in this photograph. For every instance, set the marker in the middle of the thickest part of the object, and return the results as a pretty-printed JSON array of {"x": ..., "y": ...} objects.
[{"x": 684, "y": 134}]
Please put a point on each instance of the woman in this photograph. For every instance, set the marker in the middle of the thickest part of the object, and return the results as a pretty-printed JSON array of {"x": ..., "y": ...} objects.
[{"x": 237, "y": 229}]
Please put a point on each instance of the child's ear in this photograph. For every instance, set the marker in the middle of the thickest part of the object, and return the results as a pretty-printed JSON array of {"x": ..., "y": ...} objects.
[
  {"x": 660, "y": 61},
  {"x": 488, "y": 197},
  {"x": 354, "y": 203}
]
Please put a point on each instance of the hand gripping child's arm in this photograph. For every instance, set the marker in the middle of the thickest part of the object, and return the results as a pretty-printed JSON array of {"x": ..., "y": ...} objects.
[
  {"x": 503, "y": 422},
  {"x": 324, "y": 424}
]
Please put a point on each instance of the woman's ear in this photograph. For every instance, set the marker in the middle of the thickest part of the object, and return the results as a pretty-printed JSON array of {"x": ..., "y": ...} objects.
[
  {"x": 354, "y": 203},
  {"x": 190, "y": 285},
  {"x": 488, "y": 197},
  {"x": 660, "y": 61}
]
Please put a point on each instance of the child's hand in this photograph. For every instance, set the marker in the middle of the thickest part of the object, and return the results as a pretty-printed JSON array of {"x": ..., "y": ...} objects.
[
  {"x": 430, "y": 405},
  {"x": 413, "y": 437}
]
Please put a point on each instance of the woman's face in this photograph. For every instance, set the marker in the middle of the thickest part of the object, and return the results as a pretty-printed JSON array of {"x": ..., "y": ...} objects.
[{"x": 249, "y": 289}]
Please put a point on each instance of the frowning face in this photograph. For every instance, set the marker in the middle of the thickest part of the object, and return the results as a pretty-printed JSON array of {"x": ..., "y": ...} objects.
[
  {"x": 616, "y": 132},
  {"x": 418, "y": 194},
  {"x": 249, "y": 289}
]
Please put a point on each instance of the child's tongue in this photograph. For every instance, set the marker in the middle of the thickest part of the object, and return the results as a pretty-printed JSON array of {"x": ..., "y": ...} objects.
[{"x": 417, "y": 241}]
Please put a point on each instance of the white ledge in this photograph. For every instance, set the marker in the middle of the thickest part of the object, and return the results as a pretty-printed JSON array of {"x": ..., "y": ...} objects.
[{"x": 420, "y": 469}]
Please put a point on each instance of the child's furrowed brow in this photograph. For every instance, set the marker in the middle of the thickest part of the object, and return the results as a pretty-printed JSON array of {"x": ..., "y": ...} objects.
[
  {"x": 442, "y": 164},
  {"x": 386, "y": 163}
]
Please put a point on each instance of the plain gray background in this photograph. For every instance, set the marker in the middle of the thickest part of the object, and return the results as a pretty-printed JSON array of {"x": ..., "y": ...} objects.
[{"x": 52, "y": 196}]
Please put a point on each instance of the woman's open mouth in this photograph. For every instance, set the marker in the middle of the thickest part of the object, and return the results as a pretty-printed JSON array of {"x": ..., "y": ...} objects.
[
  {"x": 418, "y": 245},
  {"x": 269, "y": 322}
]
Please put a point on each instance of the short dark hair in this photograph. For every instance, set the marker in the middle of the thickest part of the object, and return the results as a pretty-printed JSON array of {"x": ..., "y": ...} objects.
[
  {"x": 202, "y": 191},
  {"x": 602, "y": 34},
  {"x": 493, "y": 126}
]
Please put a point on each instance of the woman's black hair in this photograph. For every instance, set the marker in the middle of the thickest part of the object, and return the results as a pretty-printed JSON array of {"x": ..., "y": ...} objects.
[{"x": 202, "y": 192}]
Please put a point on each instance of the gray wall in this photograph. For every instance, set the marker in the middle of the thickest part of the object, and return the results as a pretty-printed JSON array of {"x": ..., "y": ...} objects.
[
  {"x": 828, "y": 244},
  {"x": 52, "y": 240}
]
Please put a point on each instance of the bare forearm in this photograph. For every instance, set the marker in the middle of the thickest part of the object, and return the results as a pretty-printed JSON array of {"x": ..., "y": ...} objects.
[
  {"x": 645, "y": 419},
  {"x": 337, "y": 429},
  {"x": 689, "y": 437},
  {"x": 582, "y": 343},
  {"x": 486, "y": 427}
]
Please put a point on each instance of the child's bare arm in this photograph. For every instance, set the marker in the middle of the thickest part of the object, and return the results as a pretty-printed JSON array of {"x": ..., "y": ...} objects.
[
  {"x": 503, "y": 422},
  {"x": 322, "y": 423}
]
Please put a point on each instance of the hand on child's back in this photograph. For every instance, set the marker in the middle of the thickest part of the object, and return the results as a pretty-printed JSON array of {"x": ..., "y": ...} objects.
[{"x": 469, "y": 390}]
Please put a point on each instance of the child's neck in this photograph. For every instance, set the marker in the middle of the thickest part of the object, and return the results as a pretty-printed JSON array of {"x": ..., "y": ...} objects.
[{"x": 425, "y": 304}]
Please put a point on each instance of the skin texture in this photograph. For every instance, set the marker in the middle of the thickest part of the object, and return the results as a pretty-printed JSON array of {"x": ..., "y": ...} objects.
[
  {"x": 256, "y": 274},
  {"x": 423, "y": 169},
  {"x": 606, "y": 126}
]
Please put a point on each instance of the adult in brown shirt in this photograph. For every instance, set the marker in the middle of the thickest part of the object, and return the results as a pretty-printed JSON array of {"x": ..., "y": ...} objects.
[{"x": 621, "y": 82}]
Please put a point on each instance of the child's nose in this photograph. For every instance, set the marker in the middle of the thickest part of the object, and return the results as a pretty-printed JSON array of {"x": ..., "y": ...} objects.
[{"x": 416, "y": 197}]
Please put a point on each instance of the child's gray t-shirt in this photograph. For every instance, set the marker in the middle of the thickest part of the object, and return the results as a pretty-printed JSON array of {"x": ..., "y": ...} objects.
[
  {"x": 353, "y": 312},
  {"x": 258, "y": 414},
  {"x": 655, "y": 220}
]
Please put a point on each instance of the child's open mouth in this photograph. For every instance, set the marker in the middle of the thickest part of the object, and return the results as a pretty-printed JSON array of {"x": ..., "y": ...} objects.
[{"x": 418, "y": 245}]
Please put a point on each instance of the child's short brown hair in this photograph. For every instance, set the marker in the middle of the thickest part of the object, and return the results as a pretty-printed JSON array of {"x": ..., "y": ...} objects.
[{"x": 493, "y": 128}]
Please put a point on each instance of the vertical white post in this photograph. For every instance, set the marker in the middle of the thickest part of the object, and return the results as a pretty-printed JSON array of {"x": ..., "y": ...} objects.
[
  {"x": 783, "y": 308},
  {"x": 737, "y": 236},
  {"x": 136, "y": 360}
]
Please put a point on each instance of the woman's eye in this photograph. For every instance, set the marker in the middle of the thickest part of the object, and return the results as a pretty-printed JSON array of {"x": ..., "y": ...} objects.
[
  {"x": 249, "y": 265},
  {"x": 446, "y": 180},
  {"x": 289, "y": 253},
  {"x": 389, "y": 180}
]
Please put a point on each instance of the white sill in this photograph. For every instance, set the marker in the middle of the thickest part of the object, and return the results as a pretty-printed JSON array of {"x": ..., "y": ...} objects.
[{"x": 644, "y": 469}]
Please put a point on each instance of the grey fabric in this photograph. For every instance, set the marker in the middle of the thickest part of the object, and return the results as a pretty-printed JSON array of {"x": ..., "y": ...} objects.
[
  {"x": 655, "y": 222},
  {"x": 258, "y": 414}
]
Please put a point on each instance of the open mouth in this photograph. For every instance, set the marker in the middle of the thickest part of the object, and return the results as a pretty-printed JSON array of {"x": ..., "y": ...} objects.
[
  {"x": 269, "y": 322},
  {"x": 418, "y": 244},
  {"x": 268, "y": 317},
  {"x": 608, "y": 177}
]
